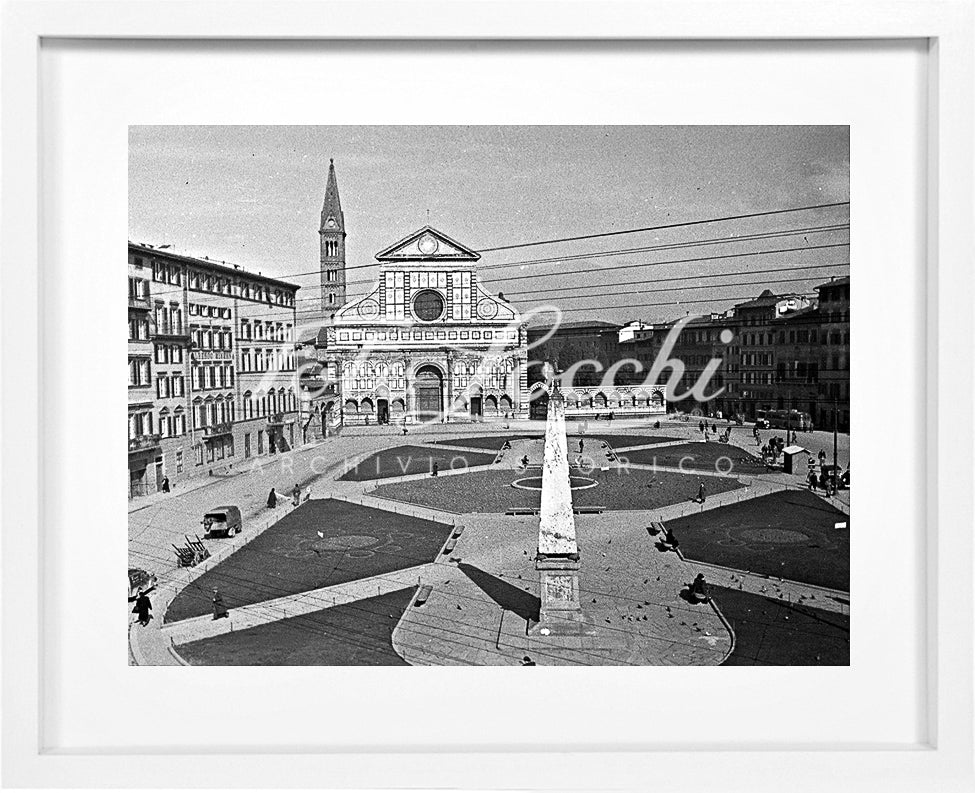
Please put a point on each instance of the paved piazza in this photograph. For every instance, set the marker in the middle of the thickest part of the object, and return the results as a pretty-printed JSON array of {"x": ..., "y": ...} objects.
[{"x": 410, "y": 568}]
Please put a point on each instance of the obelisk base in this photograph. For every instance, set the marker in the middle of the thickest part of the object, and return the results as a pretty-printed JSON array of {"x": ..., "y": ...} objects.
[{"x": 560, "y": 612}]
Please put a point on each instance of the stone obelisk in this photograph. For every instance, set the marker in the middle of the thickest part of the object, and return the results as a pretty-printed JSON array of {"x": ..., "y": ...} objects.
[{"x": 557, "y": 560}]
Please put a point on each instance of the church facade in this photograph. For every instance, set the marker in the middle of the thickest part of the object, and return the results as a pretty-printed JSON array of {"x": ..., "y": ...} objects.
[{"x": 428, "y": 342}]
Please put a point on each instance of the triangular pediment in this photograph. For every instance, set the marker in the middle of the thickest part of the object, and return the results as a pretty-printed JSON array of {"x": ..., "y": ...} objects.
[{"x": 427, "y": 245}]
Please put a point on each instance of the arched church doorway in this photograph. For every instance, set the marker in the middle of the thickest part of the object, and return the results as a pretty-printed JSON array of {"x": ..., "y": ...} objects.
[
  {"x": 538, "y": 407},
  {"x": 428, "y": 384}
]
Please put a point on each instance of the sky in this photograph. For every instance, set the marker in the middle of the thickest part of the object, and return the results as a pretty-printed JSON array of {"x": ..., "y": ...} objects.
[{"x": 253, "y": 195}]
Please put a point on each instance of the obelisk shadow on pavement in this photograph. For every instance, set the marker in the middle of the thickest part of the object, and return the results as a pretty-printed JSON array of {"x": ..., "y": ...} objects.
[{"x": 508, "y": 596}]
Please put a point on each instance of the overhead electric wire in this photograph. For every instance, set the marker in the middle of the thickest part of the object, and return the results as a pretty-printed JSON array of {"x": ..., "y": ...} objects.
[
  {"x": 573, "y": 257},
  {"x": 684, "y": 224},
  {"x": 622, "y": 284},
  {"x": 309, "y": 315},
  {"x": 595, "y": 254}
]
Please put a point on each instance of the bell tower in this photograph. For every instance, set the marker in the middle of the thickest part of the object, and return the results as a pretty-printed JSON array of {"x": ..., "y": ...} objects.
[{"x": 332, "y": 234}]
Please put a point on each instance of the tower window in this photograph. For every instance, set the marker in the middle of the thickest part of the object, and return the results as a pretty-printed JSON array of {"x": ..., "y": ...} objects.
[{"x": 331, "y": 299}]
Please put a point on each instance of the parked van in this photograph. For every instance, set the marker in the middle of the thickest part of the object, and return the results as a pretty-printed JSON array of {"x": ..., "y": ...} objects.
[{"x": 222, "y": 521}]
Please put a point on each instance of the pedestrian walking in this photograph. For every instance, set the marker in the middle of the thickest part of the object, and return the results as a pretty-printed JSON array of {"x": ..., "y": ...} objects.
[
  {"x": 580, "y": 445},
  {"x": 219, "y": 609},
  {"x": 701, "y": 492},
  {"x": 822, "y": 457},
  {"x": 142, "y": 608},
  {"x": 296, "y": 495},
  {"x": 165, "y": 484},
  {"x": 812, "y": 480},
  {"x": 435, "y": 469},
  {"x": 524, "y": 461},
  {"x": 272, "y": 499}
]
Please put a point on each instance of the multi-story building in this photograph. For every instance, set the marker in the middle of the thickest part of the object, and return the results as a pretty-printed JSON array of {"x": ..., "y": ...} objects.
[
  {"x": 834, "y": 364},
  {"x": 784, "y": 353},
  {"x": 752, "y": 362},
  {"x": 590, "y": 390},
  {"x": 211, "y": 367},
  {"x": 700, "y": 341},
  {"x": 145, "y": 454},
  {"x": 797, "y": 337}
]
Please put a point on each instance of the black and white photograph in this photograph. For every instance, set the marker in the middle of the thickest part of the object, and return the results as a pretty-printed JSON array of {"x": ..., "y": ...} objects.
[{"x": 488, "y": 396}]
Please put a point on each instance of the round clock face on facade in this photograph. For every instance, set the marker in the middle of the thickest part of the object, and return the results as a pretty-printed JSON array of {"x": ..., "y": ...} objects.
[
  {"x": 428, "y": 245},
  {"x": 331, "y": 223},
  {"x": 428, "y": 305}
]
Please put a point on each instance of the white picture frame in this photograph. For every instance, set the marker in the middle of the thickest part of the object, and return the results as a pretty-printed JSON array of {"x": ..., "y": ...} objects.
[{"x": 944, "y": 762}]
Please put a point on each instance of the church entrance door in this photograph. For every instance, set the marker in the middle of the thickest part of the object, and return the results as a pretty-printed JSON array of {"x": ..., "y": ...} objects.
[
  {"x": 429, "y": 392},
  {"x": 382, "y": 411},
  {"x": 538, "y": 407},
  {"x": 476, "y": 409}
]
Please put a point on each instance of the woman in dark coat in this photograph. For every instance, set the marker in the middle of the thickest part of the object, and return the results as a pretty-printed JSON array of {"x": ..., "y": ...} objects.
[
  {"x": 272, "y": 499},
  {"x": 219, "y": 609},
  {"x": 142, "y": 608}
]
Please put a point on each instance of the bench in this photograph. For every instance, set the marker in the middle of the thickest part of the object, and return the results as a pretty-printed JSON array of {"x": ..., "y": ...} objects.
[
  {"x": 521, "y": 511},
  {"x": 422, "y": 595},
  {"x": 449, "y": 547},
  {"x": 655, "y": 528},
  {"x": 458, "y": 530},
  {"x": 588, "y": 510}
]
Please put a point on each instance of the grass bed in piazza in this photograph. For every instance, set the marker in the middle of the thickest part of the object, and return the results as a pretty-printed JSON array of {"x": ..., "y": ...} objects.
[{"x": 290, "y": 558}]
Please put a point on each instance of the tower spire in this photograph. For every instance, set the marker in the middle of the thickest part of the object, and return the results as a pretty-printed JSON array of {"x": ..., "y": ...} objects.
[
  {"x": 331, "y": 230},
  {"x": 332, "y": 205}
]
